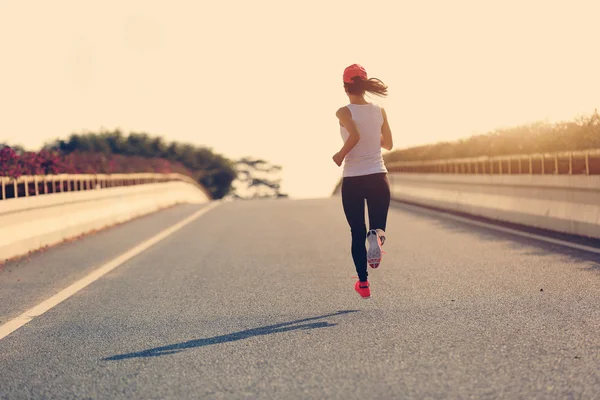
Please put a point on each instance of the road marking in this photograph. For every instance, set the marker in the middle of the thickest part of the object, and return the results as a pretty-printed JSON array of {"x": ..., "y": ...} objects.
[
  {"x": 504, "y": 229},
  {"x": 64, "y": 294}
]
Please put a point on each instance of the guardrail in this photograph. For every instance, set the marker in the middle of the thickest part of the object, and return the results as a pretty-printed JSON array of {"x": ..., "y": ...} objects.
[
  {"x": 561, "y": 163},
  {"x": 87, "y": 203},
  {"x": 26, "y": 186}
]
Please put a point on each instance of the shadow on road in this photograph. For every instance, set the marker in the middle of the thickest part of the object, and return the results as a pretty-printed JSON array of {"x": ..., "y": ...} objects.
[{"x": 232, "y": 337}]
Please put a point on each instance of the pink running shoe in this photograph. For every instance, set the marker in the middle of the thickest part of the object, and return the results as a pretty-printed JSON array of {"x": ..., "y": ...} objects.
[
  {"x": 374, "y": 252},
  {"x": 363, "y": 288}
]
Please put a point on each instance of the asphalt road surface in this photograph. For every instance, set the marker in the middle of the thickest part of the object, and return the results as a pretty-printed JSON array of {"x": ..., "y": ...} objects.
[{"x": 255, "y": 300}]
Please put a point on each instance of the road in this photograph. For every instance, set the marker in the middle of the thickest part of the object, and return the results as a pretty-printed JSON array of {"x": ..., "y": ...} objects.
[{"x": 255, "y": 300}]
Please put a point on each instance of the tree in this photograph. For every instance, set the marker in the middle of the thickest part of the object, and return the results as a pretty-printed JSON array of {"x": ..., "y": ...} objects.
[
  {"x": 215, "y": 172},
  {"x": 257, "y": 179},
  {"x": 17, "y": 149}
]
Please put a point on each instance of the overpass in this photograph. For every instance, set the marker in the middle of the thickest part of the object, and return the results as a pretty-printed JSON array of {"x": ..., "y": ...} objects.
[{"x": 254, "y": 299}]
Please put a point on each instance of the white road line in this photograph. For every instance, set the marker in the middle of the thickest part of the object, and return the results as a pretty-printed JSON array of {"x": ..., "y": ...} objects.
[
  {"x": 64, "y": 294},
  {"x": 504, "y": 229}
]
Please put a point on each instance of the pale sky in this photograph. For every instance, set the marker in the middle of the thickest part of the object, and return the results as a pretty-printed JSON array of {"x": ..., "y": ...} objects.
[{"x": 264, "y": 78}]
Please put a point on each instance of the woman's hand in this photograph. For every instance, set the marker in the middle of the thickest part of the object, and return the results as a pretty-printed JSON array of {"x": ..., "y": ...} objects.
[{"x": 338, "y": 158}]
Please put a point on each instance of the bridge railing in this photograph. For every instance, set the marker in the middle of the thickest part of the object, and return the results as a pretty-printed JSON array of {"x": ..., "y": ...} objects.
[
  {"x": 36, "y": 185},
  {"x": 561, "y": 163}
]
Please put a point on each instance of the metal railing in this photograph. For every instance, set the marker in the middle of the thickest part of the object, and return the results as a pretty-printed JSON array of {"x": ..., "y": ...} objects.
[
  {"x": 26, "y": 186},
  {"x": 562, "y": 163}
]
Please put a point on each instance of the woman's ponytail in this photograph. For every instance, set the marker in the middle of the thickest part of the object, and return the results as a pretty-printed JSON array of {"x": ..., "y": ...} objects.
[{"x": 359, "y": 86}]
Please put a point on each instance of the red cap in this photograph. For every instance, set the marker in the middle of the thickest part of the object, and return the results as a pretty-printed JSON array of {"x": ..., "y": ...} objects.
[{"x": 354, "y": 70}]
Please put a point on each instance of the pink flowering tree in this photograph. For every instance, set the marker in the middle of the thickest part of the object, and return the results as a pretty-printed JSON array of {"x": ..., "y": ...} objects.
[{"x": 9, "y": 163}]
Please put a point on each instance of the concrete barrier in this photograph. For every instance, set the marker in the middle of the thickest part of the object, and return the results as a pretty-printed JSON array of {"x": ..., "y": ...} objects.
[
  {"x": 30, "y": 223},
  {"x": 561, "y": 203}
]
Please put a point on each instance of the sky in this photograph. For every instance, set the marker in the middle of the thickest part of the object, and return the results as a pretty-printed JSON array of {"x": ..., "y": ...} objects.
[{"x": 264, "y": 78}]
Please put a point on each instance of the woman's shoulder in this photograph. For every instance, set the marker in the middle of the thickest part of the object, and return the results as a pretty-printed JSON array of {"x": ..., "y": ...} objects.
[{"x": 345, "y": 110}]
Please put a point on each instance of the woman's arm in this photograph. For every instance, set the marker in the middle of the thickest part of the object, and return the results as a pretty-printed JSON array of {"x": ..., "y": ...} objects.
[
  {"x": 386, "y": 133},
  {"x": 345, "y": 117}
]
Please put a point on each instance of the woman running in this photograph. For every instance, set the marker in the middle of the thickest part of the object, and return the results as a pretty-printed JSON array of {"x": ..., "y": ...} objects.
[{"x": 365, "y": 130}]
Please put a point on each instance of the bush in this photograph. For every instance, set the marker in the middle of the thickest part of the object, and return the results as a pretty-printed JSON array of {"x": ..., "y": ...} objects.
[
  {"x": 14, "y": 165},
  {"x": 213, "y": 171},
  {"x": 9, "y": 163},
  {"x": 580, "y": 134}
]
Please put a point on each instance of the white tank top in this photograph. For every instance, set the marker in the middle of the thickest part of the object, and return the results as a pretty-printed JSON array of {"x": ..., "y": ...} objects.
[{"x": 365, "y": 158}]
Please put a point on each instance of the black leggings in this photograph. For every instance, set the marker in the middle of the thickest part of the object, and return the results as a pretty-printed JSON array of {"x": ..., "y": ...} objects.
[{"x": 375, "y": 189}]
